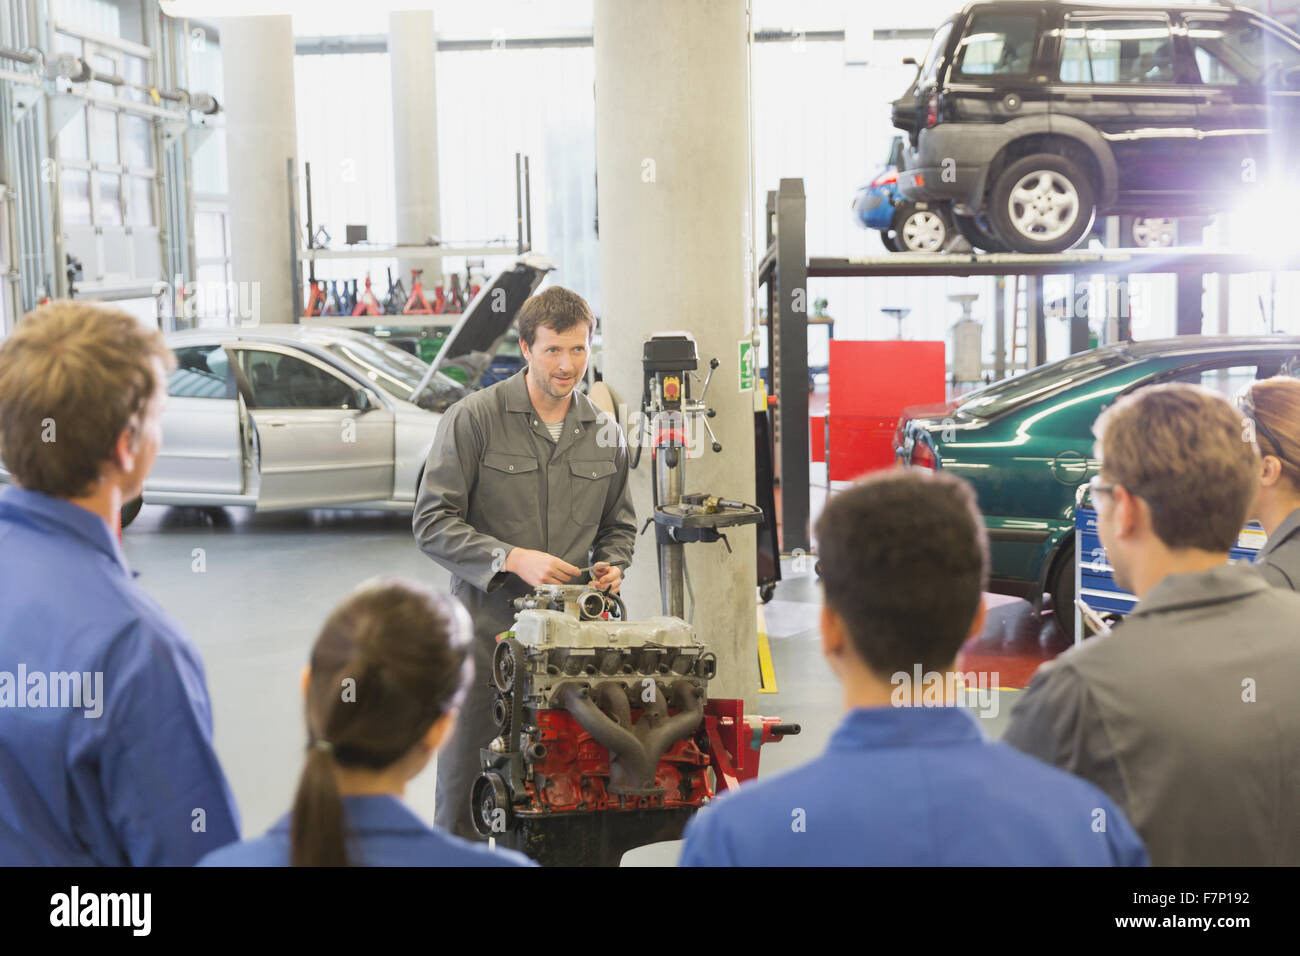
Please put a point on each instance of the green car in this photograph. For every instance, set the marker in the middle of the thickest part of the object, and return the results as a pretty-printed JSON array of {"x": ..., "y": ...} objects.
[{"x": 1026, "y": 443}]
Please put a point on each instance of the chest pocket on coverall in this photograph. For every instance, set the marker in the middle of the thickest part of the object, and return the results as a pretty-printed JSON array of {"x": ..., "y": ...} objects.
[
  {"x": 509, "y": 481},
  {"x": 589, "y": 486}
]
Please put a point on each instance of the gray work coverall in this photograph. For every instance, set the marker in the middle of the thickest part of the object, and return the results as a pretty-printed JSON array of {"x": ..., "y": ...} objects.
[
  {"x": 1279, "y": 560},
  {"x": 1187, "y": 717},
  {"x": 495, "y": 481}
]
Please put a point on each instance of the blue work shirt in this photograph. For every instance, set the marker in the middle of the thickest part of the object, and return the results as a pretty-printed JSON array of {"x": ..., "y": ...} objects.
[
  {"x": 385, "y": 833},
  {"x": 137, "y": 783},
  {"x": 914, "y": 786}
]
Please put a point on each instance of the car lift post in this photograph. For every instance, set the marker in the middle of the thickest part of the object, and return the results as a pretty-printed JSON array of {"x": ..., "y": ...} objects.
[{"x": 784, "y": 271}]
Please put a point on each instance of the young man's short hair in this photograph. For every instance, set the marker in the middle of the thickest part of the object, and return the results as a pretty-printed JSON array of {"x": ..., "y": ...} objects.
[
  {"x": 1189, "y": 455},
  {"x": 73, "y": 376},
  {"x": 904, "y": 557},
  {"x": 558, "y": 309}
]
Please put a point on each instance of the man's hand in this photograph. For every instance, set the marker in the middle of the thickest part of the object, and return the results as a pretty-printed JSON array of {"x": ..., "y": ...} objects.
[
  {"x": 538, "y": 567},
  {"x": 606, "y": 576}
]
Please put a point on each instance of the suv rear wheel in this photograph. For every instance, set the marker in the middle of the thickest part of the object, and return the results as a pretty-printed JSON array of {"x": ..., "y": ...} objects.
[{"x": 1042, "y": 203}]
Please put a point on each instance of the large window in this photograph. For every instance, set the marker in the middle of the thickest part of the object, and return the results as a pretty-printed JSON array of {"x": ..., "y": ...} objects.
[
  {"x": 1236, "y": 52},
  {"x": 998, "y": 44},
  {"x": 1120, "y": 51},
  {"x": 108, "y": 163}
]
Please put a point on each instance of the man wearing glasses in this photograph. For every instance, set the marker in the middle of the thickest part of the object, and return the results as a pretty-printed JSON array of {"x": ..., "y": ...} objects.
[{"x": 1187, "y": 715}]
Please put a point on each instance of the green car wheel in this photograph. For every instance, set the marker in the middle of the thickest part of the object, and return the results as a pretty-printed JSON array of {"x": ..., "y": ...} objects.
[{"x": 1062, "y": 589}]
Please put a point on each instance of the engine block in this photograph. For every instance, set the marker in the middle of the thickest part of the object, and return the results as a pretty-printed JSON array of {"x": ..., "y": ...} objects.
[{"x": 593, "y": 713}]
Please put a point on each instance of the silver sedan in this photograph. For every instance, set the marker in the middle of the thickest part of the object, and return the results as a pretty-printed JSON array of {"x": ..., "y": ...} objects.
[
  {"x": 299, "y": 416},
  {"x": 302, "y": 416}
]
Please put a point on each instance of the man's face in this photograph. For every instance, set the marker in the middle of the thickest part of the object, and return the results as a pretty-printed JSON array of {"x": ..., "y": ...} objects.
[{"x": 558, "y": 360}]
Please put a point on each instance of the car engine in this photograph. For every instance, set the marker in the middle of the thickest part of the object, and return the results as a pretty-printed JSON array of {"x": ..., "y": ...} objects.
[{"x": 607, "y": 737}]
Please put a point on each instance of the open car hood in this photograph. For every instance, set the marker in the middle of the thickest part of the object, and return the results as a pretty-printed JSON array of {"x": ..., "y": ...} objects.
[{"x": 475, "y": 338}]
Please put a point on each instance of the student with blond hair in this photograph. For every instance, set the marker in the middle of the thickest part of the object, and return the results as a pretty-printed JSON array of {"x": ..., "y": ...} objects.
[
  {"x": 1271, "y": 410},
  {"x": 117, "y": 768}
]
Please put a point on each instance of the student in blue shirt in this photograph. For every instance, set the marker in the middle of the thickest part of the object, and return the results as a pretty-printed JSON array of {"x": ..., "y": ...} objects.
[
  {"x": 387, "y": 675},
  {"x": 909, "y": 779},
  {"x": 106, "y": 754}
]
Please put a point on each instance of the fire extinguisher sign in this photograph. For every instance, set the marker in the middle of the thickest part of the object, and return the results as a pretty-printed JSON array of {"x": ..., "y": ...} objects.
[{"x": 746, "y": 365}]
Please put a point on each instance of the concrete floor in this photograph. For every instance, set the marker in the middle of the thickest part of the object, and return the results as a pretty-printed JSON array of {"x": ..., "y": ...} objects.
[{"x": 252, "y": 590}]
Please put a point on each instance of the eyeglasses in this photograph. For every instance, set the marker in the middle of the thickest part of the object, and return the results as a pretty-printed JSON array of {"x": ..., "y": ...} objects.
[
  {"x": 1095, "y": 487},
  {"x": 1245, "y": 402}
]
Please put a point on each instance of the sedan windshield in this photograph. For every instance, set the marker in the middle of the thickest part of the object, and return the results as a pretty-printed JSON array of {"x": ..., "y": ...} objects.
[
  {"x": 1009, "y": 393},
  {"x": 397, "y": 372}
]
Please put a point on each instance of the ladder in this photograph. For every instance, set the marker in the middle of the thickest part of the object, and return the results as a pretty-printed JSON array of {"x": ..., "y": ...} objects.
[{"x": 1019, "y": 325}]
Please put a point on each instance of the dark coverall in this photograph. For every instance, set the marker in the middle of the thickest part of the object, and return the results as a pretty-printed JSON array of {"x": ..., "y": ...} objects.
[{"x": 494, "y": 481}]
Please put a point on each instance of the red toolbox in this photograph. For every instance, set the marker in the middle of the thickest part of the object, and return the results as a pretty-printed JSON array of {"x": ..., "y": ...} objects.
[{"x": 870, "y": 385}]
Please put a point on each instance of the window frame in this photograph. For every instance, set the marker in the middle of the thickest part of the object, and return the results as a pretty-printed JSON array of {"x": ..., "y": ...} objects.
[
  {"x": 232, "y": 386},
  {"x": 1230, "y": 19},
  {"x": 955, "y": 71},
  {"x": 1138, "y": 15},
  {"x": 249, "y": 392}
]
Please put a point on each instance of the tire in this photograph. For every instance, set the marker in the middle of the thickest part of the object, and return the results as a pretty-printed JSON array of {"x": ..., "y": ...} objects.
[
  {"x": 1042, "y": 203},
  {"x": 920, "y": 228},
  {"x": 977, "y": 234},
  {"x": 1062, "y": 590},
  {"x": 130, "y": 510},
  {"x": 887, "y": 240}
]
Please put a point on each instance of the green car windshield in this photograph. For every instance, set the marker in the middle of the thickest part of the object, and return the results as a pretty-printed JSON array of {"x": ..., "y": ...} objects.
[{"x": 993, "y": 400}]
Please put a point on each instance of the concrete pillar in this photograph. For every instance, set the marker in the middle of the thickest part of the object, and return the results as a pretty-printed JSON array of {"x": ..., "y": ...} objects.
[
  {"x": 671, "y": 146},
  {"x": 261, "y": 137},
  {"x": 411, "y": 49}
]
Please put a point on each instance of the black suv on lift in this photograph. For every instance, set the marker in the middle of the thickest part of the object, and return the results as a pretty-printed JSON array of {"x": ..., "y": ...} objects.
[{"x": 1033, "y": 117}]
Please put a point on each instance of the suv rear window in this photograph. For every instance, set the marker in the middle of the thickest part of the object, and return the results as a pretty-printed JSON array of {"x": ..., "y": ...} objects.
[
  {"x": 1117, "y": 50},
  {"x": 930, "y": 65},
  {"x": 997, "y": 44}
]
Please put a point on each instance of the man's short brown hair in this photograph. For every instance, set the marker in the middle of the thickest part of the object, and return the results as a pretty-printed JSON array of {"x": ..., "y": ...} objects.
[
  {"x": 1185, "y": 451},
  {"x": 73, "y": 376},
  {"x": 904, "y": 557},
  {"x": 558, "y": 309}
]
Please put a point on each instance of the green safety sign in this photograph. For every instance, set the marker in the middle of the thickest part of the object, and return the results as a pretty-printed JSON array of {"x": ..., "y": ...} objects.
[{"x": 746, "y": 365}]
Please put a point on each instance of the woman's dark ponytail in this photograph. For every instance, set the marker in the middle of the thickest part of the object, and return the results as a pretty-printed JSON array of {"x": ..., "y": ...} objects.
[
  {"x": 390, "y": 661},
  {"x": 317, "y": 833}
]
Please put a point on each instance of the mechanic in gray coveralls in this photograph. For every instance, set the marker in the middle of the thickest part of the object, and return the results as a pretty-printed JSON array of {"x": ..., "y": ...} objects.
[
  {"x": 526, "y": 484},
  {"x": 1273, "y": 408}
]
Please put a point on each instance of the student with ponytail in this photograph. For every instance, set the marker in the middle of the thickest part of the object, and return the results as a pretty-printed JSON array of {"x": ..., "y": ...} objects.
[
  {"x": 387, "y": 674},
  {"x": 1273, "y": 406}
]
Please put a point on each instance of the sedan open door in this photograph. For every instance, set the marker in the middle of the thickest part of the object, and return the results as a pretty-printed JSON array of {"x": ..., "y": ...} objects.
[{"x": 321, "y": 438}]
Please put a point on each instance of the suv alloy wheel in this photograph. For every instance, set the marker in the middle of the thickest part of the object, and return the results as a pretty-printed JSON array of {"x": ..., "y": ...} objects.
[{"x": 1042, "y": 203}]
